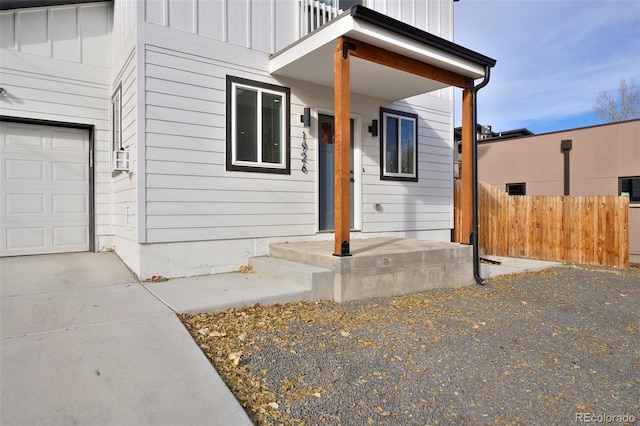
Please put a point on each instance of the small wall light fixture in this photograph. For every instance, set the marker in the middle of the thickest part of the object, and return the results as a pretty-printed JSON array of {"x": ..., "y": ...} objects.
[
  {"x": 305, "y": 118},
  {"x": 373, "y": 129},
  {"x": 3, "y": 91}
]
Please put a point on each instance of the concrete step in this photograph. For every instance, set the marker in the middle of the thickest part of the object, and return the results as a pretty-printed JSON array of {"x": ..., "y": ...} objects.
[
  {"x": 316, "y": 279},
  {"x": 215, "y": 293}
]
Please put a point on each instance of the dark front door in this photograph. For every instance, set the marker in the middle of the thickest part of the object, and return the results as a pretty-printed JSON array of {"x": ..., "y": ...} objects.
[{"x": 326, "y": 162}]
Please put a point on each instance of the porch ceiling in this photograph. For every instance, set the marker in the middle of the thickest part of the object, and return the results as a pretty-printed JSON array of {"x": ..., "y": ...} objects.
[{"x": 311, "y": 58}]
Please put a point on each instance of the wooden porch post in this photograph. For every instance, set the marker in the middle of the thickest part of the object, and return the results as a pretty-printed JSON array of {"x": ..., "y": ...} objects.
[
  {"x": 466, "y": 204},
  {"x": 342, "y": 148}
]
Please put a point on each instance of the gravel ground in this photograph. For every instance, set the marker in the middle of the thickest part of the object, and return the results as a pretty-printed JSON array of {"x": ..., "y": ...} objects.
[{"x": 536, "y": 348}]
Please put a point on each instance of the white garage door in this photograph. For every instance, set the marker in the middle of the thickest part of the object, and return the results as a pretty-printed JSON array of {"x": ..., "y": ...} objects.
[{"x": 44, "y": 205}]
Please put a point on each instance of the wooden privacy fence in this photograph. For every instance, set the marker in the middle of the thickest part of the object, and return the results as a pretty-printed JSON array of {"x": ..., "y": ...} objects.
[{"x": 575, "y": 229}]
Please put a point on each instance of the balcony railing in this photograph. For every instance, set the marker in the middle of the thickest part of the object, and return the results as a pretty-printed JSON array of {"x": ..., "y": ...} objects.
[{"x": 314, "y": 14}]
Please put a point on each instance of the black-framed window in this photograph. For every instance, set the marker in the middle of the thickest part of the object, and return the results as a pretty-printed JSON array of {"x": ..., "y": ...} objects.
[
  {"x": 630, "y": 187},
  {"x": 258, "y": 126},
  {"x": 517, "y": 188},
  {"x": 398, "y": 145},
  {"x": 116, "y": 119}
]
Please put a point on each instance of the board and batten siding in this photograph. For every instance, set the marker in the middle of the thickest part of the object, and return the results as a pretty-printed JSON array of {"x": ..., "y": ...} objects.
[
  {"x": 125, "y": 16},
  {"x": 271, "y": 25},
  {"x": 247, "y": 23},
  {"x": 74, "y": 33},
  {"x": 54, "y": 65},
  {"x": 434, "y": 16}
]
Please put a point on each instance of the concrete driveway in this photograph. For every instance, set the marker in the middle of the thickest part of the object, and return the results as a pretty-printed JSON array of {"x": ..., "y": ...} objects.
[{"x": 82, "y": 342}]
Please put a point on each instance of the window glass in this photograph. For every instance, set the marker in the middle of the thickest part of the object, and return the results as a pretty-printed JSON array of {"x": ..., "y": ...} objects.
[
  {"x": 408, "y": 146},
  {"x": 246, "y": 124},
  {"x": 116, "y": 119},
  {"x": 399, "y": 145},
  {"x": 391, "y": 160},
  {"x": 257, "y": 126},
  {"x": 517, "y": 188},
  {"x": 271, "y": 130},
  {"x": 630, "y": 187}
]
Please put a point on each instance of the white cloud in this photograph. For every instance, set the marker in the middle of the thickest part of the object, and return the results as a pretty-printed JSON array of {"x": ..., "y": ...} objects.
[{"x": 553, "y": 57}]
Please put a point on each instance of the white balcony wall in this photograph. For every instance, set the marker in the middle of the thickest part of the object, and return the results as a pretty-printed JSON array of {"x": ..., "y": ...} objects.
[
  {"x": 433, "y": 16},
  {"x": 74, "y": 33},
  {"x": 248, "y": 23}
]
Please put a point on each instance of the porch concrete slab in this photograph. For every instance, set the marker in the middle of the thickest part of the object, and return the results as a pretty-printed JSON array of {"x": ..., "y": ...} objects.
[
  {"x": 380, "y": 267},
  {"x": 89, "y": 345},
  {"x": 214, "y": 293},
  {"x": 515, "y": 265}
]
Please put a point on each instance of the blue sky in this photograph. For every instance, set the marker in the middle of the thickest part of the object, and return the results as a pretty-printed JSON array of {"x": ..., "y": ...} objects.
[{"x": 554, "y": 58}]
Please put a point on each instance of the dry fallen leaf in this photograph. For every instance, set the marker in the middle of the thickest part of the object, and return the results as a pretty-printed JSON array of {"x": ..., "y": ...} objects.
[
  {"x": 246, "y": 269},
  {"x": 345, "y": 333},
  {"x": 273, "y": 405},
  {"x": 235, "y": 357},
  {"x": 217, "y": 334}
]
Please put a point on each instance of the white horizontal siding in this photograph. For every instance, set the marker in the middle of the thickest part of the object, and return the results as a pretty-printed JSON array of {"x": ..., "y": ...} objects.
[
  {"x": 190, "y": 196},
  {"x": 247, "y": 23},
  {"x": 228, "y": 195},
  {"x": 44, "y": 88},
  {"x": 409, "y": 206},
  {"x": 124, "y": 206},
  {"x": 75, "y": 33}
]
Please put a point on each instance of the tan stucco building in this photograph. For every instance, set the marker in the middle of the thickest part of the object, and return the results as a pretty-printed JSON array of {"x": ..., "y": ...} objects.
[{"x": 602, "y": 160}]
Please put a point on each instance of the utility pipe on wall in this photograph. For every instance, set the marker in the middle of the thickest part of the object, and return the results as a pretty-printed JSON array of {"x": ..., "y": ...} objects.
[
  {"x": 474, "y": 174},
  {"x": 565, "y": 147}
]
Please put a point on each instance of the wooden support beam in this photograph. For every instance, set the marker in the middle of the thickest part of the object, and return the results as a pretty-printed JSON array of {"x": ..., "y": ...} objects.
[
  {"x": 342, "y": 100},
  {"x": 466, "y": 203},
  {"x": 403, "y": 63}
]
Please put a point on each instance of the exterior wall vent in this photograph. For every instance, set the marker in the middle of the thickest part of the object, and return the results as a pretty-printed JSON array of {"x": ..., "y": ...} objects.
[{"x": 121, "y": 160}]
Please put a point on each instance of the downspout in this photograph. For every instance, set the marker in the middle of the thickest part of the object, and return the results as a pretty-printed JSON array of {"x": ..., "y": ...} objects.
[{"x": 474, "y": 175}]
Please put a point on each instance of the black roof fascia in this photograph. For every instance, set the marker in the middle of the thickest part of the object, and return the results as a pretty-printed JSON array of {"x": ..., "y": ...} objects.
[
  {"x": 406, "y": 30},
  {"x": 22, "y": 4}
]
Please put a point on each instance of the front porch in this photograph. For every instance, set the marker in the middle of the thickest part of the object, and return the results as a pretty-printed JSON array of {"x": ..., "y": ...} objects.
[
  {"x": 307, "y": 271},
  {"x": 381, "y": 267}
]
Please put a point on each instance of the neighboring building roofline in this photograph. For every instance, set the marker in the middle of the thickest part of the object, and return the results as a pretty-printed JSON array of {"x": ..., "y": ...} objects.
[
  {"x": 495, "y": 139},
  {"x": 409, "y": 31},
  {"x": 22, "y": 4}
]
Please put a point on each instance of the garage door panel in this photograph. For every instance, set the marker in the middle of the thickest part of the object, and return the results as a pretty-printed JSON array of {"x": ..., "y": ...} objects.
[
  {"x": 23, "y": 137},
  {"x": 21, "y": 204},
  {"x": 74, "y": 142},
  {"x": 45, "y": 189},
  {"x": 65, "y": 204},
  {"x": 25, "y": 240},
  {"x": 17, "y": 171},
  {"x": 69, "y": 237},
  {"x": 69, "y": 172}
]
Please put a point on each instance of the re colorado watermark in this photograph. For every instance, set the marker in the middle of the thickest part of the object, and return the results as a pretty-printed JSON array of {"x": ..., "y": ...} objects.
[{"x": 605, "y": 418}]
